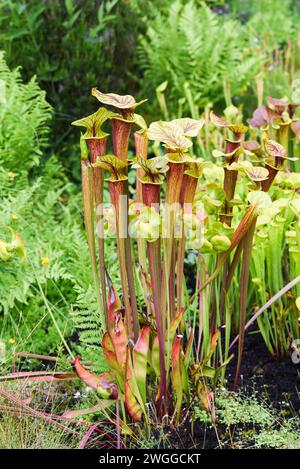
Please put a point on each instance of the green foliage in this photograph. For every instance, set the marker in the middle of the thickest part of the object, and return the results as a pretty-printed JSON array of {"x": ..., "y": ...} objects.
[
  {"x": 233, "y": 409},
  {"x": 44, "y": 220},
  {"x": 24, "y": 430},
  {"x": 24, "y": 114},
  {"x": 196, "y": 50},
  {"x": 251, "y": 422},
  {"x": 287, "y": 437},
  {"x": 70, "y": 46},
  {"x": 182, "y": 46},
  {"x": 271, "y": 22},
  {"x": 92, "y": 41}
]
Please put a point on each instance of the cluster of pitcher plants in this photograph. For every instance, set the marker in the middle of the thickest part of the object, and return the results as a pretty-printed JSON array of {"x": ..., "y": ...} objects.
[
  {"x": 167, "y": 334},
  {"x": 200, "y": 244}
]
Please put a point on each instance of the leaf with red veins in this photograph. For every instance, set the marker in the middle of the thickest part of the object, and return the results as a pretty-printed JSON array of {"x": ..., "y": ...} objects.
[
  {"x": 278, "y": 105},
  {"x": 110, "y": 355},
  {"x": 169, "y": 338},
  {"x": 262, "y": 117},
  {"x": 213, "y": 343},
  {"x": 257, "y": 173},
  {"x": 40, "y": 376},
  {"x": 175, "y": 324},
  {"x": 173, "y": 328},
  {"x": 133, "y": 406},
  {"x": 169, "y": 134},
  {"x": 94, "y": 122},
  {"x": 251, "y": 145},
  {"x": 118, "y": 101},
  {"x": 219, "y": 154},
  {"x": 112, "y": 99},
  {"x": 274, "y": 149},
  {"x": 220, "y": 122},
  {"x": 114, "y": 165},
  {"x": 103, "y": 383}
]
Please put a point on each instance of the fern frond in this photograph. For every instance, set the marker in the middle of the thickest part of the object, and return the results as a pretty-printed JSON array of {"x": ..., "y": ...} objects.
[
  {"x": 193, "y": 44},
  {"x": 24, "y": 113}
]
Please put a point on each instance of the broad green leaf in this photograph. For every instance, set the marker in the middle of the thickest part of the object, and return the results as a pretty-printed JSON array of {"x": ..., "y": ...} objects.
[
  {"x": 94, "y": 122},
  {"x": 274, "y": 149}
]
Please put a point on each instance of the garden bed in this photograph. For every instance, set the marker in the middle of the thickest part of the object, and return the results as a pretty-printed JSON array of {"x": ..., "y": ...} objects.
[{"x": 272, "y": 384}]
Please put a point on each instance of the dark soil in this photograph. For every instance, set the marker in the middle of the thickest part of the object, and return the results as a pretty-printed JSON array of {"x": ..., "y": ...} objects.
[{"x": 275, "y": 382}]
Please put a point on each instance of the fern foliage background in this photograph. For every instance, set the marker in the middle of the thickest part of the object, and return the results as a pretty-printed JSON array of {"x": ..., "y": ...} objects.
[
  {"x": 39, "y": 203},
  {"x": 269, "y": 21},
  {"x": 208, "y": 55},
  {"x": 192, "y": 44},
  {"x": 24, "y": 113}
]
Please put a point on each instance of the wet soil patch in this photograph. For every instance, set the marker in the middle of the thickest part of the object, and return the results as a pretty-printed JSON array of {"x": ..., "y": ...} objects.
[{"x": 276, "y": 380}]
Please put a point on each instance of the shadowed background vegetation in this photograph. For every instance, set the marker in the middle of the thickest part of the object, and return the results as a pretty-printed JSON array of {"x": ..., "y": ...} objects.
[{"x": 131, "y": 46}]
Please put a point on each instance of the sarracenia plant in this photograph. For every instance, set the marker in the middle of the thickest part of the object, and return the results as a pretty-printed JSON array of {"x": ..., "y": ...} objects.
[
  {"x": 156, "y": 328},
  {"x": 162, "y": 331},
  {"x": 96, "y": 139},
  {"x": 153, "y": 344}
]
